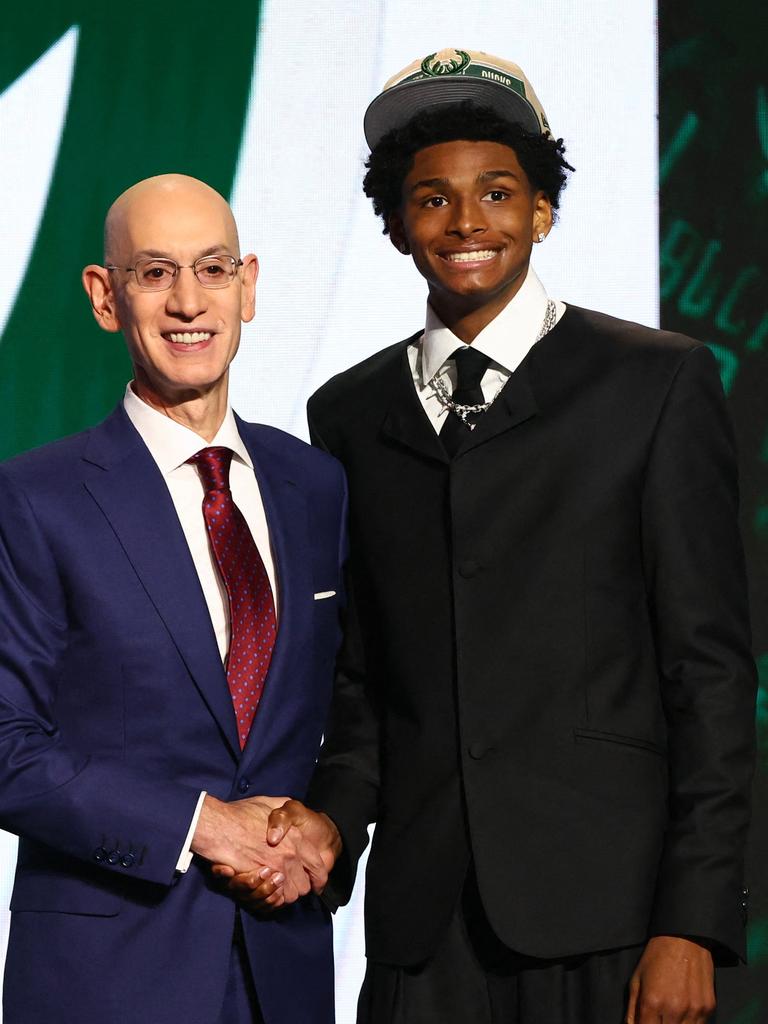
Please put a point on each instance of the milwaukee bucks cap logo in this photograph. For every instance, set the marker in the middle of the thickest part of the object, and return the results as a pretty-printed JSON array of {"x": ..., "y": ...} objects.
[
  {"x": 445, "y": 62},
  {"x": 466, "y": 74}
]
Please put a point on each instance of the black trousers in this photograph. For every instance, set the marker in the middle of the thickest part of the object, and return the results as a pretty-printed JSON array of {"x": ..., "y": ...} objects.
[{"x": 474, "y": 979}]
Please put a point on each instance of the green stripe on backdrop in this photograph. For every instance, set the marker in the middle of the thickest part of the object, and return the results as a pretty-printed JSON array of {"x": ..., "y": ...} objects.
[
  {"x": 156, "y": 88},
  {"x": 713, "y": 169}
]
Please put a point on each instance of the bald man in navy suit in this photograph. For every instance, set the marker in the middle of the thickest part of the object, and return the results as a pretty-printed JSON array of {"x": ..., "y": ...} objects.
[{"x": 136, "y": 735}]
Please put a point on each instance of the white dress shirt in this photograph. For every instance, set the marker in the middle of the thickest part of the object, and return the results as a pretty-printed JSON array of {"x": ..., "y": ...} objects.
[
  {"x": 171, "y": 444},
  {"x": 507, "y": 339}
]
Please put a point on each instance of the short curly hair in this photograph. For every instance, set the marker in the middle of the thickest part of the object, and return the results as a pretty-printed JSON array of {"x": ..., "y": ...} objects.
[{"x": 391, "y": 160}]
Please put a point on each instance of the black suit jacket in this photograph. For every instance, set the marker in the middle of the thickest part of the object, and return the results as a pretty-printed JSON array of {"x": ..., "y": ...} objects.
[{"x": 549, "y": 669}]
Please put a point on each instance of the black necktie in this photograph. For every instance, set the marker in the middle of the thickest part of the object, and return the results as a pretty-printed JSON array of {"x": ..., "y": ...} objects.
[{"x": 470, "y": 367}]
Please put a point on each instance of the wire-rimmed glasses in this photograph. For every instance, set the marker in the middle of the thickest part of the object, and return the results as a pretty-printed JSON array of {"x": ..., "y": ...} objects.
[{"x": 157, "y": 273}]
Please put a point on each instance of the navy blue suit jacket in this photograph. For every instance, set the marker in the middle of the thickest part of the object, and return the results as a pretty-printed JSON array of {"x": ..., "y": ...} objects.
[{"x": 115, "y": 714}]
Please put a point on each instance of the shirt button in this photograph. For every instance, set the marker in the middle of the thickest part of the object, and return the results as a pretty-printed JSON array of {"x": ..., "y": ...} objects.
[
  {"x": 243, "y": 785},
  {"x": 477, "y": 751},
  {"x": 468, "y": 568}
]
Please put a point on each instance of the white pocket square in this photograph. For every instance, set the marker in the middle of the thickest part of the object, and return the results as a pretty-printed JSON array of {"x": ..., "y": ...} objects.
[{"x": 325, "y": 593}]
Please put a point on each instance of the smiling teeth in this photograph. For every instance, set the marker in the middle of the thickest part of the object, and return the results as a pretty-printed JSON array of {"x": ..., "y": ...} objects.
[
  {"x": 466, "y": 257},
  {"x": 189, "y": 337}
]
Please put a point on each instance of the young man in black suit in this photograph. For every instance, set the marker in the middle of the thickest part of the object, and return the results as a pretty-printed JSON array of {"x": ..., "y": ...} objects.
[{"x": 546, "y": 698}]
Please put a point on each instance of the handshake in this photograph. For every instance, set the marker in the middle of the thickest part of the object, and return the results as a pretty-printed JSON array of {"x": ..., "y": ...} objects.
[{"x": 268, "y": 850}]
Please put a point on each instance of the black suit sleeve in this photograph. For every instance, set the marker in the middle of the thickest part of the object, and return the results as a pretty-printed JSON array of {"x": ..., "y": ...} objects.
[
  {"x": 696, "y": 582},
  {"x": 346, "y": 781}
]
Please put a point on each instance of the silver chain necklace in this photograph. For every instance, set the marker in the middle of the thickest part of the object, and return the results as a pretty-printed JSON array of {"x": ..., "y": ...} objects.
[{"x": 464, "y": 411}]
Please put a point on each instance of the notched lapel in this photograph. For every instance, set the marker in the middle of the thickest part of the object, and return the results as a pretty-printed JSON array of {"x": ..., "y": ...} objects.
[
  {"x": 514, "y": 406},
  {"x": 134, "y": 498},
  {"x": 285, "y": 506},
  {"x": 406, "y": 421}
]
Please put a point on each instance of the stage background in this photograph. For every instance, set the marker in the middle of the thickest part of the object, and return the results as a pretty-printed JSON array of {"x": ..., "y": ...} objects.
[
  {"x": 713, "y": 93},
  {"x": 265, "y": 102}
]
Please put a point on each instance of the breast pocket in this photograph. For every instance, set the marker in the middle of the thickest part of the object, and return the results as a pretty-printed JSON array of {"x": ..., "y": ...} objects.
[{"x": 327, "y": 625}]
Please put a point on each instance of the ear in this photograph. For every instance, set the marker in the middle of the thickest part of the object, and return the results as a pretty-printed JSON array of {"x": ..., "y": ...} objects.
[
  {"x": 248, "y": 274},
  {"x": 98, "y": 286},
  {"x": 397, "y": 234},
  {"x": 542, "y": 216}
]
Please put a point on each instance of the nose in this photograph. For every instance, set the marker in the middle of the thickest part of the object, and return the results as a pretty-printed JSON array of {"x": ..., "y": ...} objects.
[
  {"x": 186, "y": 298},
  {"x": 467, "y": 217}
]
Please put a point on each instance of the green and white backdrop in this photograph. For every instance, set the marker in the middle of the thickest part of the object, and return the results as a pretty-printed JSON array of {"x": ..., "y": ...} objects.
[{"x": 265, "y": 102}]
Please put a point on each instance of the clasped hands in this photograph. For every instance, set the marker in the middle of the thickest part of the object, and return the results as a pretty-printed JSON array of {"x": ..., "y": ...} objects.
[{"x": 268, "y": 851}]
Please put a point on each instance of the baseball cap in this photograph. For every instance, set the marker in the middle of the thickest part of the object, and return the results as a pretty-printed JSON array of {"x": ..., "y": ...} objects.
[{"x": 450, "y": 76}]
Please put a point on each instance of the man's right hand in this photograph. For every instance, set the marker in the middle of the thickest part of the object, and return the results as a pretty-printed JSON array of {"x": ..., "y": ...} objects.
[{"x": 234, "y": 836}]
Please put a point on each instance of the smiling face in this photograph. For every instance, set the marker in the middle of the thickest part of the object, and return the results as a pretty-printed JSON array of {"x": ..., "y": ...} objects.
[
  {"x": 182, "y": 340},
  {"x": 469, "y": 217}
]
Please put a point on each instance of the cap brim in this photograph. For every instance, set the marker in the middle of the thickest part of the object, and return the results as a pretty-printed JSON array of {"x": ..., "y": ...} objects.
[{"x": 395, "y": 107}]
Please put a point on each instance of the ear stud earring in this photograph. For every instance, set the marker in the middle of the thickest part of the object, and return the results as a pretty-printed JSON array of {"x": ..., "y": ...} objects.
[{"x": 541, "y": 237}]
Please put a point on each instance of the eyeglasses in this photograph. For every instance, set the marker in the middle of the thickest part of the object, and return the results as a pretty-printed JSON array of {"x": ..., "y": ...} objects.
[{"x": 157, "y": 274}]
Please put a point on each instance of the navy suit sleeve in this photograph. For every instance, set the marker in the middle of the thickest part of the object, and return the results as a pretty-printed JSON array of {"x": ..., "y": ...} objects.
[
  {"x": 696, "y": 582},
  {"x": 85, "y": 806}
]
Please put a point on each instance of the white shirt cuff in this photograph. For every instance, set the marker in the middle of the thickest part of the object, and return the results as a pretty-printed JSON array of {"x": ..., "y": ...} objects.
[{"x": 185, "y": 857}]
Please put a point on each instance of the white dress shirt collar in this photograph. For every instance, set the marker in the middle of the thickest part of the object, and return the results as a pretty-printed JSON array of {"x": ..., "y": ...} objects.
[
  {"x": 170, "y": 443},
  {"x": 506, "y": 339}
]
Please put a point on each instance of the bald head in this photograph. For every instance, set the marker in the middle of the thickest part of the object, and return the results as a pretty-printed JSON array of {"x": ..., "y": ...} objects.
[
  {"x": 162, "y": 209},
  {"x": 182, "y": 328}
]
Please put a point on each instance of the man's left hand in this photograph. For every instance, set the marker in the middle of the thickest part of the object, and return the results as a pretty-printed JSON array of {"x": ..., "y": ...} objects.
[{"x": 674, "y": 983}]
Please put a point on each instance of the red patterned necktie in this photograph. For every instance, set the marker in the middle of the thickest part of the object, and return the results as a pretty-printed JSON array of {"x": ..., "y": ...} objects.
[{"x": 253, "y": 625}]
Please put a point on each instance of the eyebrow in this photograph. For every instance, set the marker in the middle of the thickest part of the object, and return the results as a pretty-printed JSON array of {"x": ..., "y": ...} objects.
[
  {"x": 428, "y": 183},
  {"x": 492, "y": 175},
  {"x": 212, "y": 250},
  {"x": 483, "y": 177}
]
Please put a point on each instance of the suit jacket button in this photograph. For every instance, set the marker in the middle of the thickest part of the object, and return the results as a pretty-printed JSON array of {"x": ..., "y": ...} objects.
[
  {"x": 243, "y": 785},
  {"x": 477, "y": 751},
  {"x": 128, "y": 860},
  {"x": 113, "y": 857},
  {"x": 468, "y": 568},
  {"x": 99, "y": 854}
]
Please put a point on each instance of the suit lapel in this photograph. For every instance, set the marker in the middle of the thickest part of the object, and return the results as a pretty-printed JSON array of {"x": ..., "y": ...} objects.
[
  {"x": 515, "y": 405},
  {"x": 135, "y": 500},
  {"x": 406, "y": 421},
  {"x": 286, "y": 511}
]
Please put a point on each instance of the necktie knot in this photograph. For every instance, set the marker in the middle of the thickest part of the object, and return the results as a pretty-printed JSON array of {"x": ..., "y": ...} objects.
[
  {"x": 470, "y": 368},
  {"x": 213, "y": 466}
]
